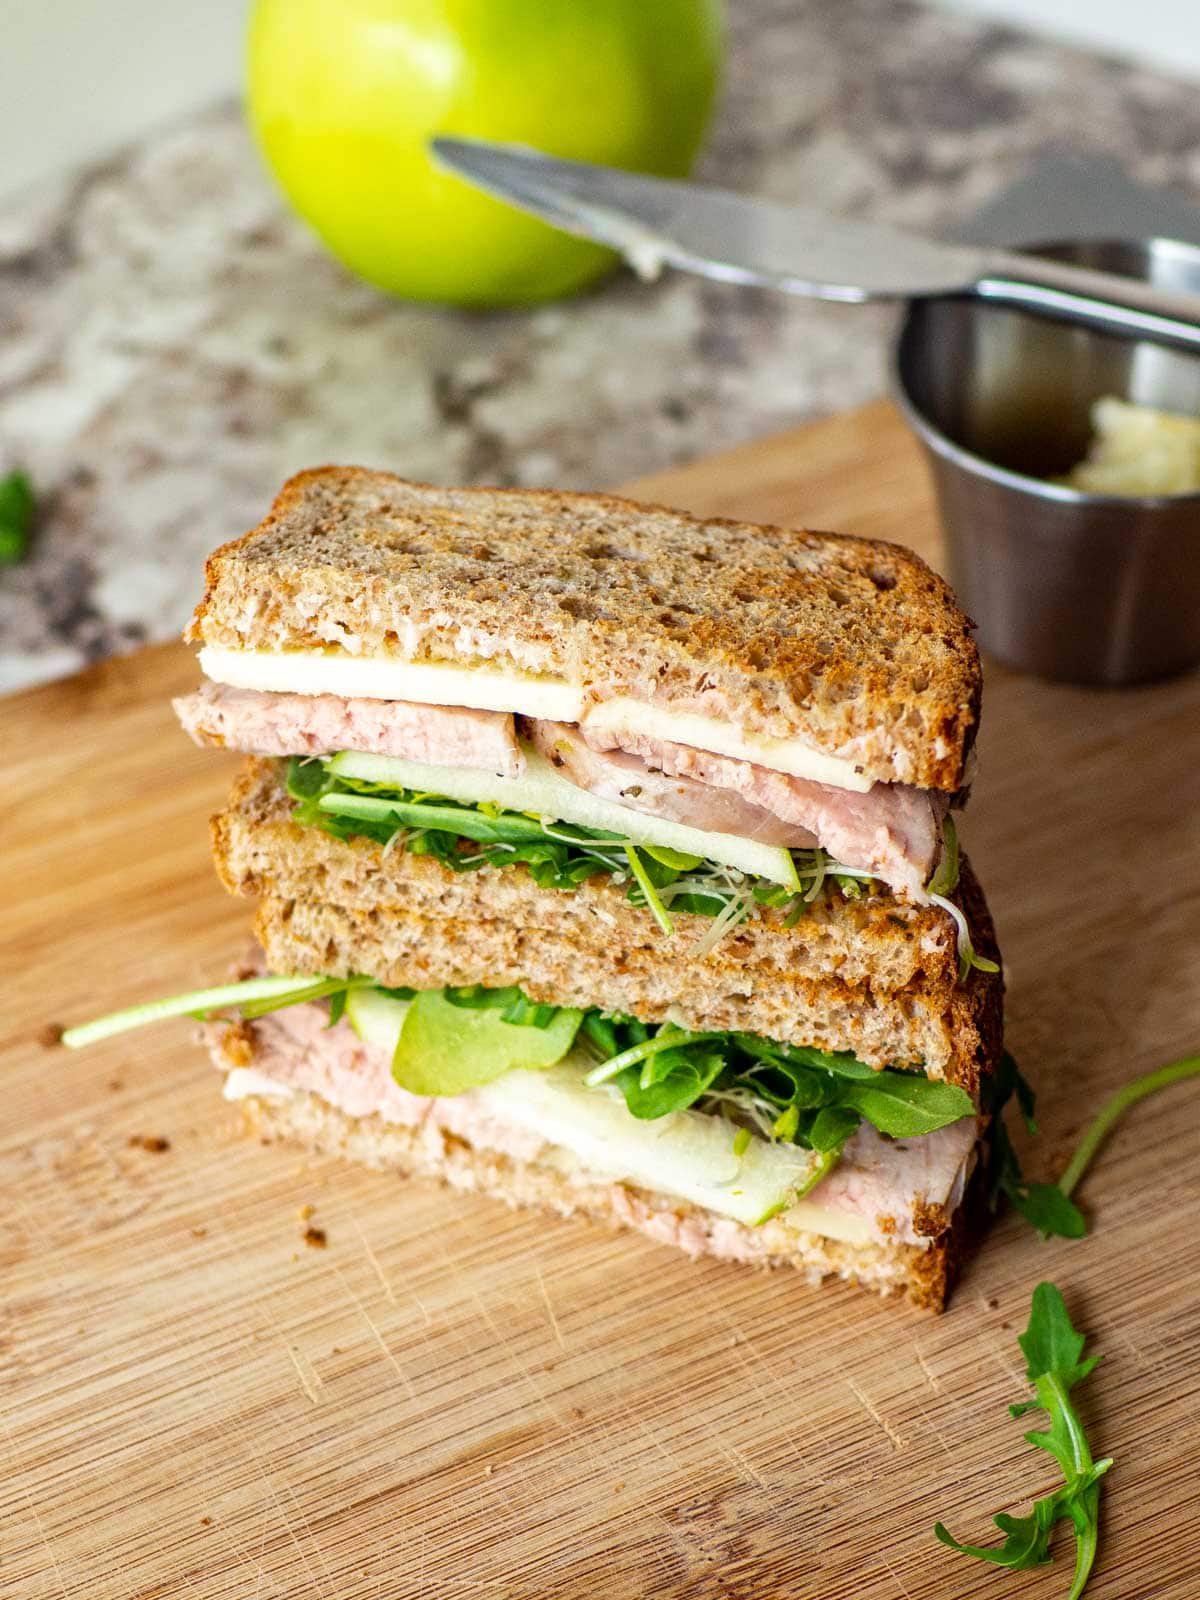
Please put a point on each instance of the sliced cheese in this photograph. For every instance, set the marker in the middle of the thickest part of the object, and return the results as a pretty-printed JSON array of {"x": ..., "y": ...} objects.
[
  {"x": 376, "y": 678},
  {"x": 543, "y": 792},
  {"x": 486, "y": 689}
]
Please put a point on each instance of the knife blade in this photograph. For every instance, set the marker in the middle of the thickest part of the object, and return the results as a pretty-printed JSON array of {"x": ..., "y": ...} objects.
[{"x": 656, "y": 222}]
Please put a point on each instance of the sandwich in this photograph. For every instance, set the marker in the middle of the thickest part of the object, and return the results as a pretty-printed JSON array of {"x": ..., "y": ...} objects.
[{"x": 605, "y": 861}]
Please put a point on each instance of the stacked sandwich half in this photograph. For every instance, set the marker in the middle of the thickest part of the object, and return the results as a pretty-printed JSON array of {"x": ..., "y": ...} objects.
[{"x": 605, "y": 863}]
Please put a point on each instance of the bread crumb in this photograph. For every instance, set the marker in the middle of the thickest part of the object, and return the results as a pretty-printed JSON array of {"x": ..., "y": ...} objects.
[
  {"x": 206, "y": 1522},
  {"x": 51, "y": 1034},
  {"x": 315, "y": 1238},
  {"x": 488, "y": 1470},
  {"x": 618, "y": 1486},
  {"x": 115, "y": 1083},
  {"x": 199, "y": 1233},
  {"x": 305, "y": 1212},
  {"x": 154, "y": 1142}
]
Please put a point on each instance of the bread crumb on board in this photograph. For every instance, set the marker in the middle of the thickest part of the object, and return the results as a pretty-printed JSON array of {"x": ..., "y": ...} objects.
[
  {"x": 315, "y": 1238},
  {"x": 153, "y": 1142}
]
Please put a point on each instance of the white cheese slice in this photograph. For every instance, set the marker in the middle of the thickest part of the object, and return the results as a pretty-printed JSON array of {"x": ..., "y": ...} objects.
[
  {"x": 485, "y": 689},
  {"x": 377, "y": 678},
  {"x": 542, "y": 791}
]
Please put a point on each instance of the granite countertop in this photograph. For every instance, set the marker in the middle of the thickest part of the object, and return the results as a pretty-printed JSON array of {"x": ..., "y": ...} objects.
[{"x": 173, "y": 344}]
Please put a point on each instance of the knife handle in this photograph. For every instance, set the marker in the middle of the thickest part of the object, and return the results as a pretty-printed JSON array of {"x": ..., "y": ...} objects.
[{"x": 1107, "y": 301}]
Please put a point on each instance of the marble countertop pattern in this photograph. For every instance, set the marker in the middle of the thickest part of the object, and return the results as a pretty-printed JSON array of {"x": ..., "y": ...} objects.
[{"x": 173, "y": 344}]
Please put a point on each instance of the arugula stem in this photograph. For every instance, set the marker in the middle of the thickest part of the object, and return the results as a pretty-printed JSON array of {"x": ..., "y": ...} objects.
[
  {"x": 1087, "y": 1541},
  {"x": 674, "y": 1040},
  {"x": 658, "y": 910},
  {"x": 197, "y": 1002},
  {"x": 1115, "y": 1108}
]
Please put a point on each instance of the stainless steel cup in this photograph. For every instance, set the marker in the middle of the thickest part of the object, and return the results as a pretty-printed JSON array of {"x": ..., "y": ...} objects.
[{"x": 1084, "y": 588}]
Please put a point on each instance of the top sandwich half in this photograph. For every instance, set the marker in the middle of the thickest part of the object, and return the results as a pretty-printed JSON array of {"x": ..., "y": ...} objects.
[{"x": 796, "y": 691}]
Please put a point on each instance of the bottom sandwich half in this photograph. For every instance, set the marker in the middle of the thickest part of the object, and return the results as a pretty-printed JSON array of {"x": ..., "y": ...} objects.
[{"x": 893, "y": 1214}]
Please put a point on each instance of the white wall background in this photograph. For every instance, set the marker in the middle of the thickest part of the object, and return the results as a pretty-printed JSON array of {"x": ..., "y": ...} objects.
[
  {"x": 1165, "y": 33},
  {"x": 79, "y": 77}
]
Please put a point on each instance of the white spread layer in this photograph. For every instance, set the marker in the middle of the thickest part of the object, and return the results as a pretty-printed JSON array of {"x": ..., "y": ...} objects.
[{"x": 377, "y": 678}]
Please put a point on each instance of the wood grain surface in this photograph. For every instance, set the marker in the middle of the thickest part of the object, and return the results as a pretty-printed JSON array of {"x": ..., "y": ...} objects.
[{"x": 450, "y": 1400}]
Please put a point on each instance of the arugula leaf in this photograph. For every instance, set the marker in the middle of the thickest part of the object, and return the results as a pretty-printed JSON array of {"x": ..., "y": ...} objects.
[
  {"x": 1045, "y": 1205},
  {"x": 831, "y": 1127},
  {"x": 649, "y": 890},
  {"x": 906, "y": 1106},
  {"x": 670, "y": 1081},
  {"x": 16, "y": 517},
  {"x": 253, "y": 997},
  {"x": 1053, "y": 1353},
  {"x": 461, "y": 821},
  {"x": 1048, "y": 1209},
  {"x": 1051, "y": 1345}
]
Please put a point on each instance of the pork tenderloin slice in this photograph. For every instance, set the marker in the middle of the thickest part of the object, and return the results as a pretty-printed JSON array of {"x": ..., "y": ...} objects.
[
  {"x": 275, "y": 724},
  {"x": 615, "y": 775},
  {"x": 893, "y": 831}
]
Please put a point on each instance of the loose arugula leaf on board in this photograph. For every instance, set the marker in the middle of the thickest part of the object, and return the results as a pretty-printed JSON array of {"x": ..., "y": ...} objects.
[
  {"x": 1048, "y": 1209},
  {"x": 1053, "y": 1352},
  {"x": 1045, "y": 1205}
]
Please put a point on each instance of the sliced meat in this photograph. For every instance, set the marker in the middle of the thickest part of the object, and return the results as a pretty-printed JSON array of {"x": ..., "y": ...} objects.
[
  {"x": 297, "y": 1049},
  {"x": 907, "y": 1180},
  {"x": 615, "y": 775},
  {"x": 270, "y": 724},
  {"x": 892, "y": 831}
]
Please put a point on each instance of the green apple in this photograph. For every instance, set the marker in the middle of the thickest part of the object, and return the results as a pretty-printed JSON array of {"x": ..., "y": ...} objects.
[{"x": 345, "y": 94}]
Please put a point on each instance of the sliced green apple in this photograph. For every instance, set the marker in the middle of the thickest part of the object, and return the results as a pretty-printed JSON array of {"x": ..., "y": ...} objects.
[
  {"x": 542, "y": 791},
  {"x": 688, "y": 1155}
]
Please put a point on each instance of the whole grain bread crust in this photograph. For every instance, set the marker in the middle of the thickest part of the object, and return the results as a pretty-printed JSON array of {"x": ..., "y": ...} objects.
[
  {"x": 924, "y": 1275},
  {"x": 854, "y": 646},
  {"x": 877, "y": 976}
]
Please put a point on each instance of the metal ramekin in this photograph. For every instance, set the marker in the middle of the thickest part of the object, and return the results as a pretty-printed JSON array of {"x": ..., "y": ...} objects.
[{"x": 1083, "y": 588}]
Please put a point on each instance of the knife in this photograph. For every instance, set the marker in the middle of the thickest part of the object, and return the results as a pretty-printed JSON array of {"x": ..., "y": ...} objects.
[{"x": 657, "y": 222}]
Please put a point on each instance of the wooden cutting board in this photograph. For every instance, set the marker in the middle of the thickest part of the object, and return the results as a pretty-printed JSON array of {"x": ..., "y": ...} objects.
[{"x": 449, "y": 1400}]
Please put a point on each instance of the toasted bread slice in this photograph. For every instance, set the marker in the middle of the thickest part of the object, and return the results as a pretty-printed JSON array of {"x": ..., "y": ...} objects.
[
  {"x": 851, "y": 646},
  {"x": 875, "y": 976}
]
